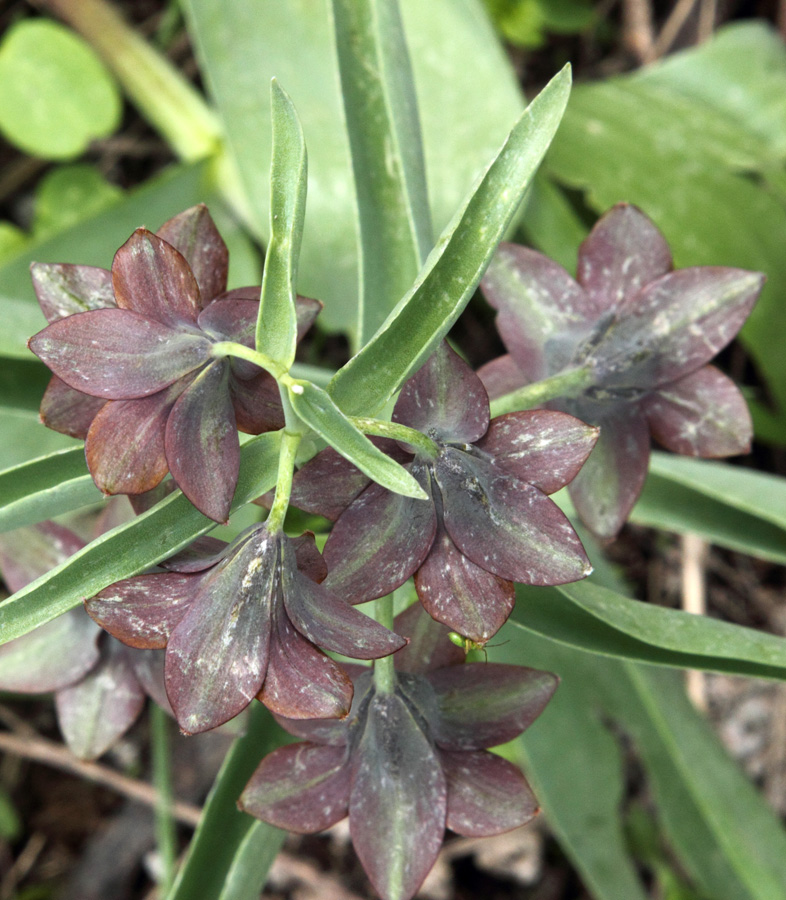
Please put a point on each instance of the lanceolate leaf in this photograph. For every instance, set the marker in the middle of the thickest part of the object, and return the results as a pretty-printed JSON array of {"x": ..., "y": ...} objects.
[
  {"x": 131, "y": 548},
  {"x": 44, "y": 488},
  {"x": 380, "y": 108},
  {"x": 276, "y": 333},
  {"x": 455, "y": 266},
  {"x": 593, "y": 618},
  {"x": 318, "y": 411},
  {"x": 252, "y": 860}
]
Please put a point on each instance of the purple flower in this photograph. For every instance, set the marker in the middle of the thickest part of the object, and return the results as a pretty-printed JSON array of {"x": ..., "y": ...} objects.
[
  {"x": 241, "y": 621},
  {"x": 488, "y": 522},
  {"x": 99, "y": 685},
  {"x": 408, "y": 764},
  {"x": 644, "y": 333},
  {"x": 141, "y": 338}
]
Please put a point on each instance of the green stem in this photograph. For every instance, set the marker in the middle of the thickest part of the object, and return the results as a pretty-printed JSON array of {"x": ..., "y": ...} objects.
[
  {"x": 286, "y": 470},
  {"x": 165, "y": 98},
  {"x": 411, "y": 436},
  {"x": 565, "y": 384},
  {"x": 166, "y": 836},
  {"x": 384, "y": 673},
  {"x": 230, "y": 348}
]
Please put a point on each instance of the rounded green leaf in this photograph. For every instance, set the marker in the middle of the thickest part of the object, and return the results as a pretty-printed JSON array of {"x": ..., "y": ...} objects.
[{"x": 55, "y": 94}]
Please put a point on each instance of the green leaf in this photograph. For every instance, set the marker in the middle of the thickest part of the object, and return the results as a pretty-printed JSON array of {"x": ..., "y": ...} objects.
[
  {"x": 244, "y": 44},
  {"x": 69, "y": 194},
  {"x": 45, "y": 487},
  {"x": 276, "y": 334},
  {"x": 381, "y": 113},
  {"x": 22, "y": 384},
  {"x": 730, "y": 506},
  {"x": 24, "y": 437},
  {"x": 455, "y": 266},
  {"x": 315, "y": 407},
  {"x": 55, "y": 94},
  {"x": 594, "y": 618},
  {"x": 92, "y": 242},
  {"x": 131, "y": 548},
  {"x": 221, "y": 864},
  {"x": 10, "y": 823}
]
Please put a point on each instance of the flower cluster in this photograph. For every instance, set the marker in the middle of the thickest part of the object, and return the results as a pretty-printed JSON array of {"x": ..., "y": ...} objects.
[{"x": 152, "y": 365}]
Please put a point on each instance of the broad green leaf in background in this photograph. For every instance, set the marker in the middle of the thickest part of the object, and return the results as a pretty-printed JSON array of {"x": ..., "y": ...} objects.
[
  {"x": 455, "y": 265},
  {"x": 594, "y": 618},
  {"x": 693, "y": 140},
  {"x": 55, "y": 94},
  {"x": 94, "y": 240},
  {"x": 45, "y": 487},
  {"x": 133, "y": 547},
  {"x": 315, "y": 407},
  {"x": 24, "y": 437},
  {"x": 526, "y": 22},
  {"x": 68, "y": 194},
  {"x": 730, "y": 506},
  {"x": 276, "y": 332},
  {"x": 380, "y": 108},
  {"x": 244, "y": 44},
  {"x": 231, "y": 852}
]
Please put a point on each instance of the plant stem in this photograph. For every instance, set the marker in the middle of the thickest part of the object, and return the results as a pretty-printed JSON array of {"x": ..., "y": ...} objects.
[
  {"x": 565, "y": 384},
  {"x": 286, "y": 470},
  {"x": 166, "y": 838},
  {"x": 384, "y": 672},
  {"x": 165, "y": 98},
  {"x": 231, "y": 348},
  {"x": 421, "y": 442}
]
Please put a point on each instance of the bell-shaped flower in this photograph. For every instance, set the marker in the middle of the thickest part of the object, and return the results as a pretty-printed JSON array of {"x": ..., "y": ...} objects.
[
  {"x": 406, "y": 765},
  {"x": 489, "y": 521},
  {"x": 139, "y": 342},
  {"x": 643, "y": 333},
  {"x": 99, "y": 685},
  {"x": 241, "y": 621}
]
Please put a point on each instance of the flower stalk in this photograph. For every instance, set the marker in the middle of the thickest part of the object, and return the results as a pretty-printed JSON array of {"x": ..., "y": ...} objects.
[{"x": 564, "y": 384}]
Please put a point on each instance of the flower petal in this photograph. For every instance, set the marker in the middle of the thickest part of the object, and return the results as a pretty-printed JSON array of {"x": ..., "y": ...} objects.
[
  {"x": 318, "y": 731},
  {"x": 309, "y": 560},
  {"x": 117, "y": 354},
  {"x": 378, "y": 543},
  {"x": 302, "y": 787},
  {"x": 142, "y": 611},
  {"x": 675, "y": 325},
  {"x": 429, "y": 646},
  {"x": 332, "y": 623},
  {"x": 125, "y": 444},
  {"x": 540, "y": 446},
  {"x": 202, "y": 553},
  {"x": 97, "y": 711},
  {"x": 486, "y": 794},
  {"x": 202, "y": 446},
  {"x": 194, "y": 235},
  {"x": 68, "y": 411},
  {"x": 397, "y": 800},
  {"x": 501, "y": 376},
  {"x": 217, "y": 655},
  {"x": 302, "y": 682},
  {"x": 306, "y": 310},
  {"x": 506, "y": 526},
  {"x": 544, "y": 315},
  {"x": 465, "y": 597},
  {"x": 257, "y": 403},
  {"x": 611, "y": 480},
  {"x": 231, "y": 320},
  {"x": 444, "y": 399},
  {"x": 622, "y": 254},
  {"x": 52, "y": 656},
  {"x": 152, "y": 278},
  {"x": 26, "y": 553},
  {"x": 63, "y": 290},
  {"x": 703, "y": 414},
  {"x": 486, "y": 704},
  {"x": 148, "y": 667}
]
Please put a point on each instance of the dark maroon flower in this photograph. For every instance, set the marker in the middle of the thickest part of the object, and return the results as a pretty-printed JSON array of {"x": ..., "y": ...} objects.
[
  {"x": 643, "y": 333},
  {"x": 142, "y": 338},
  {"x": 99, "y": 684},
  {"x": 243, "y": 620},
  {"x": 408, "y": 764},
  {"x": 488, "y": 523}
]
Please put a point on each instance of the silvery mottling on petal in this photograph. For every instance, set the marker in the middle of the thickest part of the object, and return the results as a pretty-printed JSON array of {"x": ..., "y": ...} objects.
[
  {"x": 239, "y": 623},
  {"x": 404, "y": 766},
  {"x": 643, "y": 333}
]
